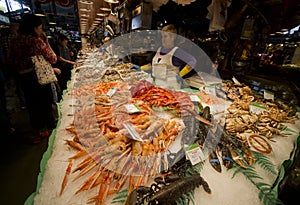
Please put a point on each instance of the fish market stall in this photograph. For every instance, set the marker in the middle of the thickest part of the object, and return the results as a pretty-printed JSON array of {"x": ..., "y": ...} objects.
[{"x": 123, "y": 140}]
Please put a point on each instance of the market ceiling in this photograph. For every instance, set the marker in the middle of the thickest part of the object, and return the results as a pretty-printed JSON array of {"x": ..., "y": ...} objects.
[{"x": 276, "y": 14}]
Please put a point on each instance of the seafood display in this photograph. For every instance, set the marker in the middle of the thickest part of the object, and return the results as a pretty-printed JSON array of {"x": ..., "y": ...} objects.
[
  {"x": 128, "y": 135},
  {"x": 243, "y": 117},
  {"x": 87, "y": 74},
  {"x": 123, "y": 134}
]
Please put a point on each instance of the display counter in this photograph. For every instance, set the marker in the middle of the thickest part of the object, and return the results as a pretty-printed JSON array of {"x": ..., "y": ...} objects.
[{"x": 108, "y": 174}]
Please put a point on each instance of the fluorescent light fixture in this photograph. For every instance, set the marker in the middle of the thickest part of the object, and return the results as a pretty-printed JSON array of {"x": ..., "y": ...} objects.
[
  {"x": 52, "y": 23},
  {"x": 85, "y": 10},
  {"x": 100, "y": 14},
  {"x": 86, "y": 2},
  {"x": 105, "y": 9},
  {"x": 38, "y": 14},
  {"x": 112, "y": 1},
  {"x": 284, "y": 29}
]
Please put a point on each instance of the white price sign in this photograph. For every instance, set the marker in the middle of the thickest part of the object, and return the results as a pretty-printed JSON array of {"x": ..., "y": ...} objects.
[
  {"x": 195, "y": 98},
  {"x": 268, "y": 95},
  {"x": 194, "y": 154},
  {"x": 132, "y": 108}
]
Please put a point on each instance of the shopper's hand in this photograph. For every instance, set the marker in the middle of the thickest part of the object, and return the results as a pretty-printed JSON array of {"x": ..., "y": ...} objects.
[{"x": 57, "y": 71}]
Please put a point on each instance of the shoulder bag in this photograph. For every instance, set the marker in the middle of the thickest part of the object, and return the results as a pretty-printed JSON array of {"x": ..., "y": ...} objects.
[{"x": 44, "y": 70}]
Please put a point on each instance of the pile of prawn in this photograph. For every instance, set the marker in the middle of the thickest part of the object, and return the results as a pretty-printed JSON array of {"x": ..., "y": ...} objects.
[{"x": 115, "y": 146}]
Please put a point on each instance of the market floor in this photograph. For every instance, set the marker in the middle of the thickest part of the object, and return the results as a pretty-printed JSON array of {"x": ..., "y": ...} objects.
[
  {"x": 20, "y": 157},
  {"x": 20, "y": 162}
]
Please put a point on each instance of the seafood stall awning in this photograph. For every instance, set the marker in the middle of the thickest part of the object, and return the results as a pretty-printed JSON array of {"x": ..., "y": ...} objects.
[{"x": 118, "y": 131}]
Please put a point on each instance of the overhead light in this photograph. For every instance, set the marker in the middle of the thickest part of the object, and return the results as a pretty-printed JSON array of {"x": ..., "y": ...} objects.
[
  {"x": 99, "y": 19},
  {"x": 86, "y": 2},
  {"x": 105, "y": 9},
  {"x": 112, "y": 1},
  {"x": 85, "y": 10},
  {"x": 52, "y": 23},
  {"x": 100, "y": 14},
  {"x": 84, "y": 15},
  {"x": 40, "y": 14}
]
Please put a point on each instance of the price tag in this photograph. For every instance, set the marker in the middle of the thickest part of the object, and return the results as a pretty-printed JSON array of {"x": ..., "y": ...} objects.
[
  {"x": 268, "y": 95},
  {"x": 132, "y": 108},
  {"x": 111, "y": 92},
  {"x": 194, "y": 154},
  {"x": 210, "y": 90},
  {"x": 195, "y": 98}
]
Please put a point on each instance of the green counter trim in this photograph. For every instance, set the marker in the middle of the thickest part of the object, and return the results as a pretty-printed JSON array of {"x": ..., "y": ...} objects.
[{"x": 285, "y": 166}]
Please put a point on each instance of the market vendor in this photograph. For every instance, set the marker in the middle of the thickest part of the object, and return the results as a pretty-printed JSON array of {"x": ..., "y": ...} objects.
[
  {"x": 175, "y": 58},
  {"x": 171, "y": 64}
]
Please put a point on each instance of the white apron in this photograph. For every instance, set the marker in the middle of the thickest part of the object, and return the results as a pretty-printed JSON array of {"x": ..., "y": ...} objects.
[{"x": 164, "y": 71}]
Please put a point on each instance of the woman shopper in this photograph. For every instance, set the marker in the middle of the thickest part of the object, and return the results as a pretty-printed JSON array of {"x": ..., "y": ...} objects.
[{"x": 30, "y": 41}]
